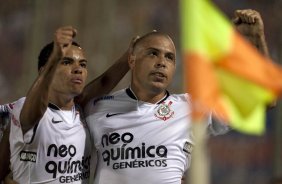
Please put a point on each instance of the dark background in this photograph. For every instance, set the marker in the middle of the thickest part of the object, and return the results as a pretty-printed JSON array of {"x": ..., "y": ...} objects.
[{"x": 105, "y": 28}]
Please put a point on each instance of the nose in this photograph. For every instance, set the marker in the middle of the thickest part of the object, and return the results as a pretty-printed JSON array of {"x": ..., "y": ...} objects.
[
  {"x": 77, "y": 69},
  {"x": 160, "y": 63}
]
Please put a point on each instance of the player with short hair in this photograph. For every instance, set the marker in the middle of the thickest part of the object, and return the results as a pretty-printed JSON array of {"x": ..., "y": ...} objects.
[
  {"x": 49, "y": 140},
  {"x": 141, "y": 133}
]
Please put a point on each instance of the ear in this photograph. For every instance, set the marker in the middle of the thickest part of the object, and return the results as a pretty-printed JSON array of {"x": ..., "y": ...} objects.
[{"x": 131, "y": 61}]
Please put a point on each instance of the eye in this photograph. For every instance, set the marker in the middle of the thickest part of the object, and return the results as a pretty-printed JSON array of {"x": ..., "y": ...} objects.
[
  {"x": 83, "y": 65},
  {"x": 66, "y": 61},
  {"x": 153, "y": 53},
  {"x": 170, "y": 57}
]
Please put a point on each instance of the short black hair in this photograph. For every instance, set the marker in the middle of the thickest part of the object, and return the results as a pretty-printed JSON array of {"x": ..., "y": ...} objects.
[{"x": 46, "y": 52}]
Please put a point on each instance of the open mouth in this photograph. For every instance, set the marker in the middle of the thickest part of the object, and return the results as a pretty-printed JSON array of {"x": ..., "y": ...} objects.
[{"x": 159, "y": 74}]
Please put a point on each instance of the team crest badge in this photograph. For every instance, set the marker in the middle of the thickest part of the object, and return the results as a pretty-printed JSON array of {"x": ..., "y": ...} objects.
[{"x": 164, "y": 111}]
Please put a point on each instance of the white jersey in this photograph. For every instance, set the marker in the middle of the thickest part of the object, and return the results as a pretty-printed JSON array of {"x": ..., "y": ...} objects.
[
  {"x": 57, "y": 150},
  {"x": 139, "y": 142}
]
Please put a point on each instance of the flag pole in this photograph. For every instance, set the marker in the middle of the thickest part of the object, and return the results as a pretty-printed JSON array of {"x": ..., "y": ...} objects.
[{"x": 199, "y": 172}]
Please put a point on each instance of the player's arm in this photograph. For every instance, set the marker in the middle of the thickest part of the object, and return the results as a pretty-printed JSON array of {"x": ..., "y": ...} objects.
[
  {"x": 108, "y": 80},
  {"x": 4, "y": 154},
  {"x": 250, "y": 24},
  {"x": 37, "y": 98},
  {"x": 9, "y": 179}
]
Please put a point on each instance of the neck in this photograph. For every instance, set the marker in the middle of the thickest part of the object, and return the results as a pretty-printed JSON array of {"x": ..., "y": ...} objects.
[
  {"x": 148, "y": 96},
  {"x": 62, "y": 101}
]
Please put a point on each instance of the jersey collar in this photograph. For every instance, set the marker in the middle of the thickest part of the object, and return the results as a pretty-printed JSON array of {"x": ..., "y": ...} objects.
[
  {"x": 55, "y": 107},
  {"x": 131, "y": 94}
]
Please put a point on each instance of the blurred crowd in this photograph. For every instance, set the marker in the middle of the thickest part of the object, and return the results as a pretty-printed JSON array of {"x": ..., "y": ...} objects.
[{"x": 107, "y": 27}]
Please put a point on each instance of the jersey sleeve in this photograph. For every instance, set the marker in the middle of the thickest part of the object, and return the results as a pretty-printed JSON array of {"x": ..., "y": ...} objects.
[
  {"x": 16, "y": 134},
  {"x": 214, "y": 126}
]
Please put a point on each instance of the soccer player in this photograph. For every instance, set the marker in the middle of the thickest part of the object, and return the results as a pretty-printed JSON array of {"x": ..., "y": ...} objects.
[
  {"x": 49, "y": 140},
  {"x": 143, "y": 134}
]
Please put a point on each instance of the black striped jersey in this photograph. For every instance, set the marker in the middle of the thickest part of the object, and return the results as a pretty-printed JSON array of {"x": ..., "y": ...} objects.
[
  {"x": 4, "y": 109},
  {"x": 139, "y": 142},
  {"x": 56, "y": 150},
  {"x": 4, "y": 118}
]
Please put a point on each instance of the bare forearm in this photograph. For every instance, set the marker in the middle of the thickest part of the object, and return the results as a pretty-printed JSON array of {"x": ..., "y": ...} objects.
[
  {"x": 105, "y": 82},
  {"x": 109, "y": 79},
  {"x": 260, "y": 43},
  {"x": 249, "y": 23},
  {"x": 37, "y": 97},
  {"x": 262, "y": 46}
]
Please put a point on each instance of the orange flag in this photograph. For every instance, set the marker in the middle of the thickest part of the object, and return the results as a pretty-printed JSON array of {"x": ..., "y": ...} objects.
[{"x": 223, "y": 72}]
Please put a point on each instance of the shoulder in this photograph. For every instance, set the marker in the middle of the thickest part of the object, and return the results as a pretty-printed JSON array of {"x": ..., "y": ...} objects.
[
  {"x": 103, "y": 102},
  {"x": 8, "y": 108},
  {"x": 183, "y": 97},
  {"x": 15, "y": 110},
  {"x": 107, "y": 98}
]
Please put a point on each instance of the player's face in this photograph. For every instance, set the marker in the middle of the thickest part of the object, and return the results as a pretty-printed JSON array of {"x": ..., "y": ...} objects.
[
  {"x": 154, "y": 64},
  {"x": 71, "y": 73}
]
